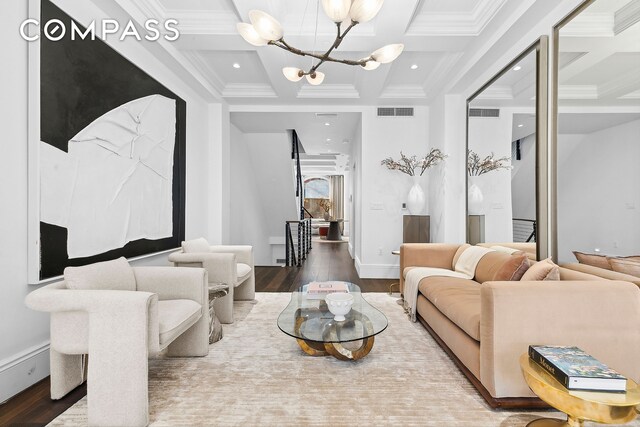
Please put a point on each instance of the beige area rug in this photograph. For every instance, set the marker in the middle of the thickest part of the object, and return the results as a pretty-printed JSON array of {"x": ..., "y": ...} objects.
[{"x": 257, "y": 375}]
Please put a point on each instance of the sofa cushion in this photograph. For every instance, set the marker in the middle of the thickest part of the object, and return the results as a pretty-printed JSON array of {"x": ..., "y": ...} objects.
[
  {"x": 456, "y": 257},
  {"x": 543, "y": 270},
  {"x": 243, "y": 272},
  {"x": 625, "y": 266},
  {"x": 500, "y": 266},
  {"x": 176, "y": 316},
  {"x": 196, "y": 246},
  {"x": 593, "y": 259},
  {"x": 116, "y": 275},
  {"x": 458, "y": 299}
]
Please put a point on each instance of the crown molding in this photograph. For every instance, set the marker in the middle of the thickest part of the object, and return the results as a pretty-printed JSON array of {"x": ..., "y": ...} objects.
[
  {"x": 245, "y": 90},
  {"x": 440, "y": 71},
  {"x": 578, "y": 92},
  {"x": 205, "y": 22},
  {"x": 626, "y": 16},
  {"x": 631, "y": 95},
  {"x": 201, "y": 66},
  {"x": 328, "y": 91},
  {"x": 621, "y": 85},
  {"x": 496, "y": 92},
  {"x": 456, "y": 24},
  {"x": 590, "y": 25},
  {"x": 403, "y": 92}
]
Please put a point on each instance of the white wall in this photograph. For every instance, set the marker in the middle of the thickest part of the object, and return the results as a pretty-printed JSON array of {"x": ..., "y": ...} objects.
[
  {"x": 262, "y": 192},
  {"x": 383, "y": 191},
  {"x": 24, "y": 334},
  {"x": 493, "y": 135},
  {"x": 355, "y": 190},
  {"x": 599, "y": 192}
]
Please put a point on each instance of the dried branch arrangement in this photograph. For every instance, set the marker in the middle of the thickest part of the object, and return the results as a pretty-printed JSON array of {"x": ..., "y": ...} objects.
[
  {"x": 409, "y": 165},
  {"x": 477, "y": 166}
]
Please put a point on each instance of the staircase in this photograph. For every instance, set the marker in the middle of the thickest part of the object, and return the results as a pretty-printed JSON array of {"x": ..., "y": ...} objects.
[{"x": 297, "y": 232}]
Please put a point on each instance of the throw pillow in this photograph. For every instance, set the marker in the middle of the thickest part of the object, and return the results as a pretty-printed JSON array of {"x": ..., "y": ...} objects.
[
  {"x": 196, "y": 246},
  {"x": 458, "y": 253},
  {"x": 505, "y": 249},
  {"x": 626, "y": 266},
  {"x": 593, "y": 260},
  {"x": 116, "y": 274},
  {"x": 501, "y": 266},
  {"x": 543, "y": 270}
]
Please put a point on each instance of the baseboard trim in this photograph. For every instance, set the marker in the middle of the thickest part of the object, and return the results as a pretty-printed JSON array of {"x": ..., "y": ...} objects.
[
  {"x": 23, "y": 370},
  {"x": 377, "y": 271},
  {"x": 495, "y": 403}
]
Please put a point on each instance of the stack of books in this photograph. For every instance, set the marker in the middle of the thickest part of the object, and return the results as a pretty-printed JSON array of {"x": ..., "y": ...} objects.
[
  {"x": 318, "y": 290},
  {"x": 577, "y": 370}
]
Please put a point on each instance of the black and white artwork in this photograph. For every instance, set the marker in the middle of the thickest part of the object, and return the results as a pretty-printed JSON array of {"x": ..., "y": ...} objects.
[{"x": 112, "y": 155}]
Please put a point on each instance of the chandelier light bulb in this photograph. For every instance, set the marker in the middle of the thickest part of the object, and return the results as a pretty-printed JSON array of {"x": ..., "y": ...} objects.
[
  {"x": 365, "y": 10},
  {"x": 388, "y": 53},
  {"x": 266, "y": 25},
  {"x": 315, "y": 78},
  {"x": 336, "y": 10},
  {"x": 370, "y": 65},
  {"x": 293, "y": 74},
  {"x": 250, "y": 35}
]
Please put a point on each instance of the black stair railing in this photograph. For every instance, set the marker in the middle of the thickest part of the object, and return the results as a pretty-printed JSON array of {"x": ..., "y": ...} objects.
[
  {"x": 297, "y": 249},
  {"x": 297, "y": 241}
]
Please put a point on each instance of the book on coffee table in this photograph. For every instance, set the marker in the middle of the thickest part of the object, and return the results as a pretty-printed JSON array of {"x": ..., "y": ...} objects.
[
  {"x": 577, "y": 370},
  {"x": 318, "y": 290}
]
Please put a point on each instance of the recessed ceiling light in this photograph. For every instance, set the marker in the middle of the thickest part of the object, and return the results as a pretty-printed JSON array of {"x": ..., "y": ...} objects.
[
  {"x": 520, "y": 126},
  {"x": 328, "y": 139},
  {"x": 414, "y": 67},
  {"x": 236, "y": 65},
  {"x": 517, "y": 68},
  {"x": 327, "y": 124}
]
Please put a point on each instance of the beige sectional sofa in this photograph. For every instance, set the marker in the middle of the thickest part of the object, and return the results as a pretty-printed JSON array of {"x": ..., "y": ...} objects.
[
  {"x": 485, "y": 325},
  {"x": 601, "y": 272}
]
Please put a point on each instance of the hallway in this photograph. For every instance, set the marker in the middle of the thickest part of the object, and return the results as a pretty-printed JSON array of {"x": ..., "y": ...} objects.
[{"x": 326, "y": 261}]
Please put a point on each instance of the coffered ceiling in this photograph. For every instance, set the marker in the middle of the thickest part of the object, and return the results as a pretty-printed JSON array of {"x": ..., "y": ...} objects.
[{"x": 435, "y": 34}]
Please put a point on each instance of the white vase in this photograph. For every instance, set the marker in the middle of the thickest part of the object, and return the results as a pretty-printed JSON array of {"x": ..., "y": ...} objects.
[
  {"x": 476, "y": 199},
  {"x": 416, "y": 201}
]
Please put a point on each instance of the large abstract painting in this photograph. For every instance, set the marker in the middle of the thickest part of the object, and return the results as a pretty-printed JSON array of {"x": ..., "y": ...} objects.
[{"x": 112, "y": 155}]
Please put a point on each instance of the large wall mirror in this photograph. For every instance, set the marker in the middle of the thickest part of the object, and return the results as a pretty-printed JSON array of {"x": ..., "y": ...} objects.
[
  {"x": 507, "y": 155},
  {"x": 597, "y": 144}
]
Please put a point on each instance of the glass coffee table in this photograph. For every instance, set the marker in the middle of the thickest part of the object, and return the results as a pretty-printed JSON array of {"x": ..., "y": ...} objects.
[{"x": 318, "y": 334}]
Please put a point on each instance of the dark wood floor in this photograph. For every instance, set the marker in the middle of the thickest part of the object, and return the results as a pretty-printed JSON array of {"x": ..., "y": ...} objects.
[{"x": 326, "y": 261}]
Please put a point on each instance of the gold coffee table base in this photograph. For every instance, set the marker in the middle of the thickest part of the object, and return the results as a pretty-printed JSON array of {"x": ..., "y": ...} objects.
[
  {"x": 554, "y": 422},
  {"x": 336, "y": 350},
  {"x": 607, "y": 408}
]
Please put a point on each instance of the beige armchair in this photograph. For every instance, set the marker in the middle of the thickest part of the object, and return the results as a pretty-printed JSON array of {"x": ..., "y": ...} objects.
[
  {"x": 230, "y": 264},
  {"x": 119, "y": 315}
]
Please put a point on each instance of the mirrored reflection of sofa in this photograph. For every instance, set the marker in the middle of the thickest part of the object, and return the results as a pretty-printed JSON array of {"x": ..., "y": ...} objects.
[
  {"x": 608, "y": 267},
  {"x": 485, "y": 325}
]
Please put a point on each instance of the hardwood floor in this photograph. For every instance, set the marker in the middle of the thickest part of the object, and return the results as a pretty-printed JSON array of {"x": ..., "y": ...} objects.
[
  {"x": 33, "y": 406},
  {"x": 326, "y": 261}
]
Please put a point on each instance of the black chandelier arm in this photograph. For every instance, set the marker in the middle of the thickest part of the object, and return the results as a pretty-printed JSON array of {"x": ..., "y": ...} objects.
[{"x": 323, "y": 58}]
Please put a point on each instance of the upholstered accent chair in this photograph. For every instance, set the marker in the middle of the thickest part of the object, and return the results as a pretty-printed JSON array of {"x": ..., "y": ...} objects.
[
  {"x": 230, "y": 264},
  {"x": 120, "y": 315}
]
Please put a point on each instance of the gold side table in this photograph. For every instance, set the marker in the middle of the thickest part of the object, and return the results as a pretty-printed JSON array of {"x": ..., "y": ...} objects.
[
  {"x": 397, "y": 253},
  {"x": 601, "y": 407}
]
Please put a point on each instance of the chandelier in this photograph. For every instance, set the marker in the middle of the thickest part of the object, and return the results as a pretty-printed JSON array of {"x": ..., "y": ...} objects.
[{"x": 266, "y": 30}]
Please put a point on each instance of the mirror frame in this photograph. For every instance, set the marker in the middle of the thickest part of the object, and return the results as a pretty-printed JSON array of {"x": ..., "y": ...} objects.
[
  {"x": 541, "y": 48},
  {"x": 553, "y": 203}
]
